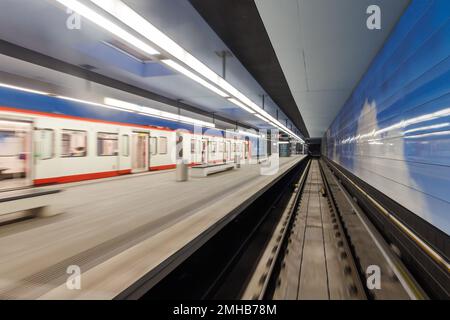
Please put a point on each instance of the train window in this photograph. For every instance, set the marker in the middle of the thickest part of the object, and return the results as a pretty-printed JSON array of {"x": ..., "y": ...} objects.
[
  {"x": 10, "y": 145},
  {"x": 234, "y": 147},
  {"x": 74, "y": 143},
  {"x": 162, "y": 145},
  {"x": 125, "y": 145},
  {"x": 153, "y": 147},
  {"x": 45, "y": 143},
  {"x": 107, "y": 144},
  {"x": 220, "y": 146}
]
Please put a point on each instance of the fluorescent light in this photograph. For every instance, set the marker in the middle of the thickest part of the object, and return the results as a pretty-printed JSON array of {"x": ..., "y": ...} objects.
[
  {"x": 120, "y": 105},
  {"x": 194, "y": 77},
  {"x": 155, "y": 113},
  {"x": 262, "y": 118},
  {"x": 128, "y": 16},
  {"x": 4, "y": 85},
  {"x": 132, "y": 19},
  {"x": 86, "y": 102},
  {"x": 106, "y": 24},
  {"x": 123, "y": 105},
  {"x": 241, "y": 105},
  {"x": 271, "y": 120},
  {"x": 245, "y": 133}
]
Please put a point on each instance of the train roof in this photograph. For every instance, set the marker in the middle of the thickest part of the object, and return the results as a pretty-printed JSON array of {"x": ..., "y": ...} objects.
[{"x": 38, "y": 103}]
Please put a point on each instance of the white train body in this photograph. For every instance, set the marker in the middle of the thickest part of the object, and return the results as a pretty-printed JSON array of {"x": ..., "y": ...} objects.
[{"x": 39, "y": 148}]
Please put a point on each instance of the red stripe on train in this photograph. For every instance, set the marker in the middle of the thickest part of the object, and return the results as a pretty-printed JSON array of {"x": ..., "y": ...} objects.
[
  {"x": 81, "y": 177},
  {"x": 101, "y": 175},
  {"x": 163, "y": 167},
  {"x": 96, "y": 175},
  {"x": 171, "y": 166}
]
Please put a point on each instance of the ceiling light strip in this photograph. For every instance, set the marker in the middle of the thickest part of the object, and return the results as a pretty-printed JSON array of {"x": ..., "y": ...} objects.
[
  {"x": 132, "y": 19},
  {"x": 245, "y": 133},
  {"x": 262, "y": 118},
  {"x": 155, "y": 113},
  {"x": 241, "y": 105},
  {"x": 172, "y": 64},
  {"x": 4, "y": 85},
  {"x": 108, "y": 25},
  {"x": 115, "y": 104}
]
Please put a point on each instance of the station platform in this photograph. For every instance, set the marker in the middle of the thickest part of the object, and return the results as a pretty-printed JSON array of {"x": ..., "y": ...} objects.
[{"x": 120, "y": 230}]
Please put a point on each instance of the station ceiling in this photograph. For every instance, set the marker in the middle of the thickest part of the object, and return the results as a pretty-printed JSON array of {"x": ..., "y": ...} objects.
[
  {"x": 40, "y": 26},
  {"x": 308, "y": 55},
  {"x": 304, "y": 56}
]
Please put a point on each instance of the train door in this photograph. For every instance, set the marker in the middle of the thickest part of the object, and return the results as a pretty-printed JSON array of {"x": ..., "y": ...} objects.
[
  {"x": 139, "y": 151},
  {"x": 212, "y": 151},
  {"x": 233, "y": 150},
  {"x": 124, "y": 153},
  {"x": 228, "y": 150},
  {"x": 198, "y": 155},
  {"x": 204, "y": 150},
  {"x": 194, "y": 150},
  {"x": 240, "y": 149},
  {"x": 153, "y": 151},
  {"x": 225, "y": 151},
  {"x": 15, "y": 154},
  {"x": 246, "y": 149}
]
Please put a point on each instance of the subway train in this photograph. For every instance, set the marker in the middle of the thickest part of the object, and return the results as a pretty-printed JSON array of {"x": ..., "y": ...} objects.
[
  {"x": 48, "y": 139},
  {"x": 394, "y": 131}
]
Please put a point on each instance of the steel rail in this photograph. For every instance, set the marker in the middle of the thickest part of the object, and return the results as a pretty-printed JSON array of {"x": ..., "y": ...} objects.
[
  {"x": 438, "y": 258},
  {"x": 281, "y": 240}
]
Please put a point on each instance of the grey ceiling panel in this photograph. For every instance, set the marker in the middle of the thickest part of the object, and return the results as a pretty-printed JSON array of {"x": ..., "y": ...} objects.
[
  {"x": 239, "y": 25},
  {"x": 38, "y": 28},
  {"x": 324, "y": 48}
]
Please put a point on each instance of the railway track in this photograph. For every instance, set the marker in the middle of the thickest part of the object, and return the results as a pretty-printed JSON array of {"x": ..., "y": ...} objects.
[
  {"x": 329, "y": 250},
  {"x": 221, "y": 268},
  {"x": 305, "y": 238},
  {"x": 422, "y": 266},
  {"x": 311, "y": 258}
]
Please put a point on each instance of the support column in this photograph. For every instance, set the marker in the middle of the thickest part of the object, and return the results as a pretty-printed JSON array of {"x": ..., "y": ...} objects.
[{"x": 181, "y": 165}]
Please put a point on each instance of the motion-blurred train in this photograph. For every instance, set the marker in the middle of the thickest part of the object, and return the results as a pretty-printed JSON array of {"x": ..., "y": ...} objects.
[{"x": 48, "y": 139}]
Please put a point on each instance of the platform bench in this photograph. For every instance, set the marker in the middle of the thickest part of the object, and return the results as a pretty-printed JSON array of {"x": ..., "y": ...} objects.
[
  {"x": 204, "y": 170},
  {"x": 33, "y": 201}
]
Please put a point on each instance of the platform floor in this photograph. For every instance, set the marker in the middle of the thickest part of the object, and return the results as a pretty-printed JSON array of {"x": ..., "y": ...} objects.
[
  {"x": 7, "y": 184},
  {"x": 118, "y": 230}
]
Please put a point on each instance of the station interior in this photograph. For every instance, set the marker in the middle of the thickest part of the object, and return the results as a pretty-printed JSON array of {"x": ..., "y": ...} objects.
[{"x": 225, "y": 150}]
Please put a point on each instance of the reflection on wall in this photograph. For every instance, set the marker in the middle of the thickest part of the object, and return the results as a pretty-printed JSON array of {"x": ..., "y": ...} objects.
[{"x": 394, "y": 131}]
